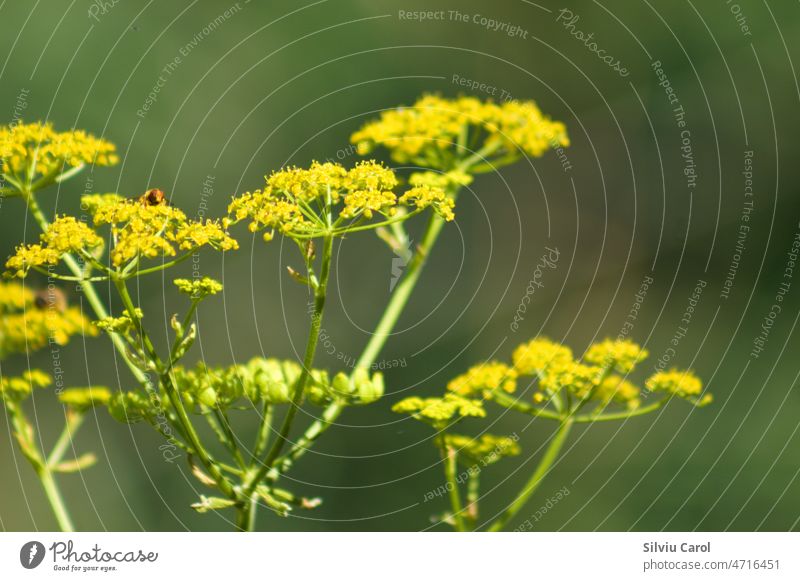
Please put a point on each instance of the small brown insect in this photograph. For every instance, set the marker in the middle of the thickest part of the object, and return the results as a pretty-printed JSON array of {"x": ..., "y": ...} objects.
[
  {"x": 154, "y": 197},
  {"x": 52, "y": 298}
]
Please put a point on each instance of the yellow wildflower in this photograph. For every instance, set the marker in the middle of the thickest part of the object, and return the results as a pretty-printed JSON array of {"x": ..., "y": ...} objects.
[
  {"x": 93, "y": 202},
  {"x": 620, "y": 355},
  {"x": 191, "y": 235},
  {"x": 579, "y": 379},
  {"x": 427, "y": 132},
  {"x": 137, "y": 231},
  {"x": 268, "y": 212},
  {"x": 483, "y": 451},
  {"x": 308, "y": 184},
  {"x": 65, "y": 234},
  {"x": 683, "y": 384},
  {"x": 440, "y": 410},
  {"x": 21, "y": 144},
  {"x": 442, "y": 180},
  {"x": 615, "y": 388},
  {"x": 29, "y": 322},
  {"x": 485, "y": 377},
  {"x": 121, "y": 324},
  {"x": 198, "y": 288},
  {"x": 302, "y": 202},
  {"x": 16, "y": 388},
  {"x": 83, "y": 398},
  {"x": 534, "y": 357},
  {"x": 426, "y": 196}
]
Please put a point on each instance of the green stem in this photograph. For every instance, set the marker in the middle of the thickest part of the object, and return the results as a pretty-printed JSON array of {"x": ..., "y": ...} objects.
[
  {"x": 308, "y": 362},
  {"x": 71, "y": 425},
  {"x": 246, "y": 514},
  {"x": 314, "y": 431},
  {"x": 32, "y": 452},
  {"x": 473, "y": 495},
  {"x": 450, "y": 469},
  {"x": 262, "y": 439},
  {"x": 536, "y": 478},
  {"x": 56, "y": 500},
  {"x": 510, "y": 402},
  {"x": 586, "y": 419},
  {"x": 166, "y": 379}
]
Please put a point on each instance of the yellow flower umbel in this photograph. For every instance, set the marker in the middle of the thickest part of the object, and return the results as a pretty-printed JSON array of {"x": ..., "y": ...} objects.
[
  {"x": 484, "y": 378},
  {"x": 684, "y": 384},
  {"x": 138, "y": 230},
  {"x": 440, "y": 410},
  {"x": 484, "y": 450},
  {"x": 198, "y": 288},
  {"x": 14, "y": 389},
  {"x": 84, "y": 398},
  {"x": 622, "y": 355},
  {"x": 435, "y": 132},
  {"x": 30, "y": 321},
  {"x": 35, "y": 150},
  {"x": 555, "y": 386},
  {"x": 536, "y": 356},
  {"x": 328, "y": 200}
]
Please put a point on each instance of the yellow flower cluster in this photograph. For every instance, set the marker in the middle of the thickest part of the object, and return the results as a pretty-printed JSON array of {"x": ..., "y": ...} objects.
[
  {"x": 17, "y": 388},
  {"x": 121, "y": 324},
  {"x": 599, "y": 376},
  {"x": 149, "y": 231},
  {"x": 65, "y": 234},
  {"x": 622, "y": 355},
  {"x": 427, "y": 132},
  {"x": 137, "y": 231},
  {"x": 441, "y": 180},
  {"x": 198, "y": 288},
  {"x": 299, "y": 202},
  {"x": 426, "y": 196},
  {"x": 23, "y": 144},
  {"x": 484, "y": 450},
  {"x": 439, "y": 410},
  {"x": 683, "y": 384},
  {"x": 619, "y": 390},
  {"x": 29, "y": 321},
  {"x": 539, "y": 354},
  {"x": 485, "y": 377},
  {"x": 83, "y": 398},
  {"x": 574, "y": 377}
]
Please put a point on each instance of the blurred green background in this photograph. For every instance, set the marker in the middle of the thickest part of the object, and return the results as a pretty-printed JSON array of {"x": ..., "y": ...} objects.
[{"x": 287, "y": 82}]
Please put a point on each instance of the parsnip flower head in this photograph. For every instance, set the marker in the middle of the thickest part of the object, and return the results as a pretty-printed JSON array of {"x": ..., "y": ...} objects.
[
  {"x": 198, "y": 288},
  {"x": 327, "y": 200},
  {"x": 599, "y": 377},
  {"x": 440, "y": 410},
  {"x": 137, "y": 231},
  {"x": 484, "y": 377},
  {"x": 577, "y": 378},
  {"x": 428, "y": 132},
  {"x": 29, "y": 322},
  {"x": 539, "y": 354},
  {"x": 616, "y": 389},
  {"x": 14, "y": 389},
  {"x": 84, "y": 398},
  {"x": 482, "y": 451},
  {"x": 622, "y": 355},
  {"x": 684, "y": 384},
  {"x": 23, "y": 144}
]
